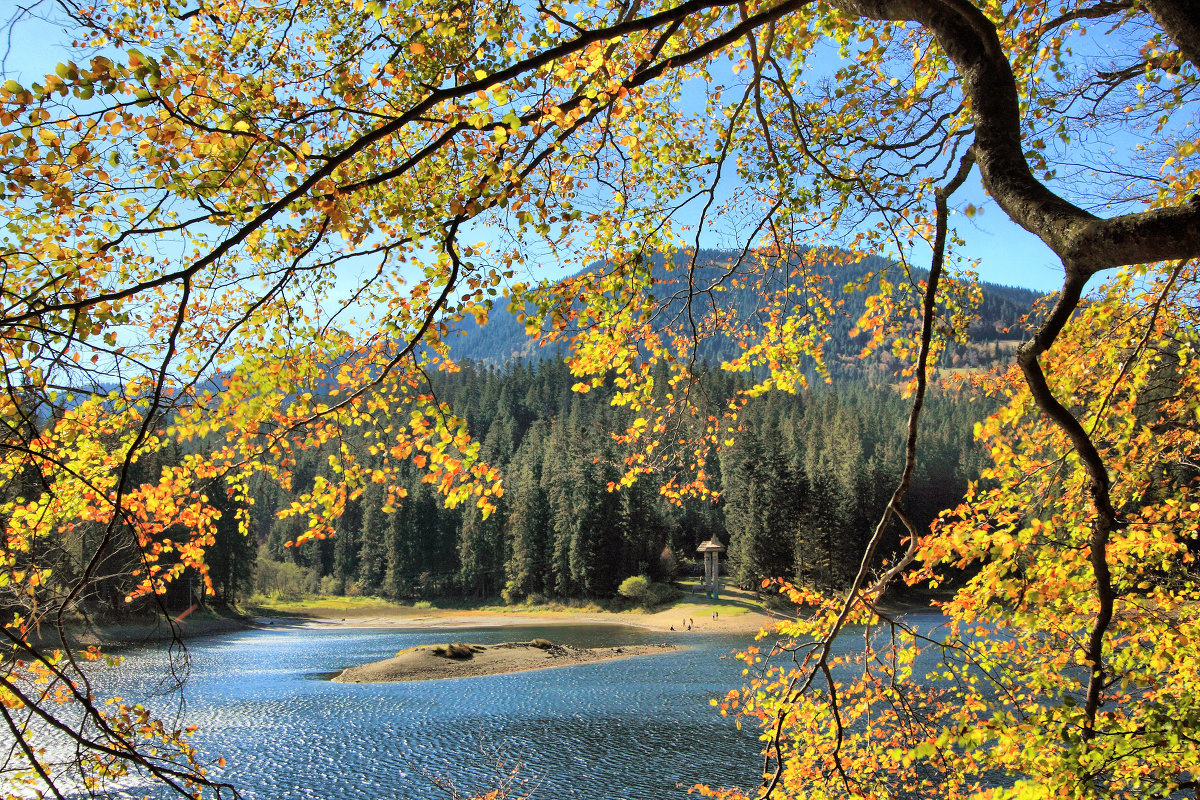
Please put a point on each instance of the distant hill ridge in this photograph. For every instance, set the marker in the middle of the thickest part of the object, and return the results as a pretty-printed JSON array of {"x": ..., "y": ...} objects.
[{"x": 503, "y": 340}]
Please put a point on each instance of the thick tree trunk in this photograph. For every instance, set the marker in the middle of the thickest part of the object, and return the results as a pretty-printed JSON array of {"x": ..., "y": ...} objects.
[
  {"x": 1181, "y": 21},
  {"x": 1085, "y": 243}
]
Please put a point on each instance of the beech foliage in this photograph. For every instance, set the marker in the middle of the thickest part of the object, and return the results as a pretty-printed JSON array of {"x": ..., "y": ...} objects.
[
  {"x": 238, "y": 230},
  {"x": 800, "y": 483}
]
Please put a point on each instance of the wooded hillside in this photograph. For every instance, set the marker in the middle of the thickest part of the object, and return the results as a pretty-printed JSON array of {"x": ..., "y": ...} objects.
[
  {"x": 999, "y": 326},
  {"x": 800, "y": 478}
]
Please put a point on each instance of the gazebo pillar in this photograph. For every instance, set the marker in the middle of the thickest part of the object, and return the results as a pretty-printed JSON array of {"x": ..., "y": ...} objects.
[{"x": 712, "y": 566}]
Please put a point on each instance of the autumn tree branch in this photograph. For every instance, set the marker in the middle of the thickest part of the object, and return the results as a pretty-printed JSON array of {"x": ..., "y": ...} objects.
[
  {"x": 1087, "y": 244},
  {"x": 854, "y": 594}
]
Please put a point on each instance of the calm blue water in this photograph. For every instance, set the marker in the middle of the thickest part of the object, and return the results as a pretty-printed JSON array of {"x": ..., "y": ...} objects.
[{"x": 616, "y": 730}]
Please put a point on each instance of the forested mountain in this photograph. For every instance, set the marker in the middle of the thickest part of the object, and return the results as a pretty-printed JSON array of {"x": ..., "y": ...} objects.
[
  {"x": 1000, "y": 312},
  {"x": 801, "y": 485}
]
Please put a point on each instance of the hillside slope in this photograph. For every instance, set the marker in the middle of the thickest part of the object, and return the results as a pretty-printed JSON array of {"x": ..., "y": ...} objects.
[{"x": 503, "y": 339}]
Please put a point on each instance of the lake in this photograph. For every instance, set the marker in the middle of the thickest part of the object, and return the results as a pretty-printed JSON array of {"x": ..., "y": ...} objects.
[{"x": 617, "y": 730}]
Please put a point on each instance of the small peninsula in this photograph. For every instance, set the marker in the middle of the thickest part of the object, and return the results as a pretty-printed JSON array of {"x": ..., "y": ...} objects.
[{"x": 459, "y": 660}]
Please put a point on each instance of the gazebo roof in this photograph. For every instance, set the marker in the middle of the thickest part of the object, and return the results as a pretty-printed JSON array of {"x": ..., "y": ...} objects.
[{"x": 713, "y": 544}]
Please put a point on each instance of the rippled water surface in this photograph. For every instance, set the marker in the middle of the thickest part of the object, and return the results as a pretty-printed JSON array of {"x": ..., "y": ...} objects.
[{"x": 616, "y": 730}]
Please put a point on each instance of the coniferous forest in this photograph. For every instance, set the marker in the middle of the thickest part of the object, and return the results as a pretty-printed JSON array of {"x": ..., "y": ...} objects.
[{"x": 800, "y": 483}]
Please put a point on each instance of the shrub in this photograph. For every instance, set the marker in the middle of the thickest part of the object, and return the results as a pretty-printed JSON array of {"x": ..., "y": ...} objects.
[
  {"x": 668, "y": 564},
  {"x": 635, "y": 588},
  {"x": 283, "y": 580},
  {"x": 333, "y": 585},
  {"x": 659, "y": 593},
  {"x": 511, "y": 594},
  {"x": 423, "y": 604},
  {"x": 457, "y": 650}
]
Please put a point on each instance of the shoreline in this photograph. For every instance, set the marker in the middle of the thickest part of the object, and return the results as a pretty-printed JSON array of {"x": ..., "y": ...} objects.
[
  {"x": 735, "y": 612},
  {"x": 673, "y": 620},
  {"x": 139, "y": 631},
  {"x": 734, "y": 616}
]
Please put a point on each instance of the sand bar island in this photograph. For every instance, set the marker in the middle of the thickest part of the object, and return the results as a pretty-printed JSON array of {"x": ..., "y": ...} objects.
[{"x": 462, "y": 660}]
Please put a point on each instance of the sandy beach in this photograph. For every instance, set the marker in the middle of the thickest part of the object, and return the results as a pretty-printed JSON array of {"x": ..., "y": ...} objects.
[{"x": 736, "y": 613}]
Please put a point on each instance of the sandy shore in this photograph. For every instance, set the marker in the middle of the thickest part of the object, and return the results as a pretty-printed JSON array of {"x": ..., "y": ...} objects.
[
  {"x": 430, "y": 662},
  {"x": 677, "y": 619},
  {"x": 736, "y": 613}
]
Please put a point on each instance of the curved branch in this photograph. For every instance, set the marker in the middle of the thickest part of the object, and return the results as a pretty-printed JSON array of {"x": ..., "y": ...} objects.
[
  {"x": 1106, "y": 516},
  {"x": 1086, "y": 244}
]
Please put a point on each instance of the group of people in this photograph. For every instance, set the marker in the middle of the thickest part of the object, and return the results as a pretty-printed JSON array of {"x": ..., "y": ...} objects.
[{"x": 689, "y": 621}]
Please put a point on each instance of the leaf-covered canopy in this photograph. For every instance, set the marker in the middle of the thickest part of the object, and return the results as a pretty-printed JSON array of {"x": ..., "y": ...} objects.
[{"x": 237, "y": 229}]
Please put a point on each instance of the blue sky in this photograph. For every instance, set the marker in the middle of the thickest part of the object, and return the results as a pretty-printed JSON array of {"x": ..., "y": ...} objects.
[{"x": 1007, "y": 254}]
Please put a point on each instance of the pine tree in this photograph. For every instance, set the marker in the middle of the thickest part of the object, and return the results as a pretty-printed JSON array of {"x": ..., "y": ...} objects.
[
  {"x": 371, "y": 559},
  {"x": 231, "y": 557},
  {"x": 481, "y": 541},
  {"x": 527, "y": 529}
]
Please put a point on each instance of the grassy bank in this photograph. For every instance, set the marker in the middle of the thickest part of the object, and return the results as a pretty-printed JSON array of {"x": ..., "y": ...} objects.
[{"x": 732, "y": 602}]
